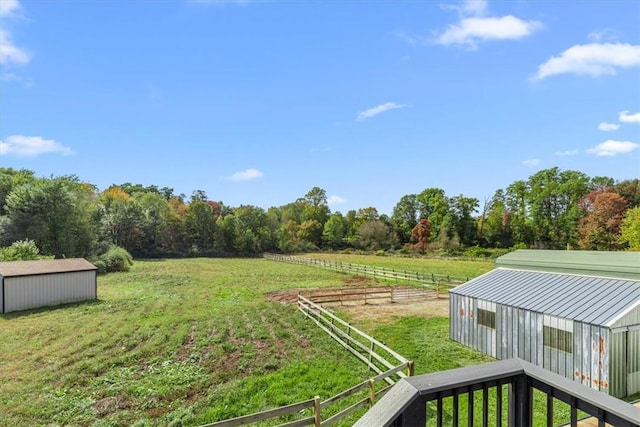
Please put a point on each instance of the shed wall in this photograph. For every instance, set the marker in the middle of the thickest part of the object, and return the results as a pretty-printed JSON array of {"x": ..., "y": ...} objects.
[
  {"x": 594, "y": 357},
  {"x": 633, "y": 361},
  {"x": 25, "y": 292}
]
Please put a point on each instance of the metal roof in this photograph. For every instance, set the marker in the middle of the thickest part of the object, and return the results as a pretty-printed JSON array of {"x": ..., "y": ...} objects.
[
  {"x": 588, "y": 299},
  {"x": 49, "y": 266},
  {"x": 593, "y": 263}
]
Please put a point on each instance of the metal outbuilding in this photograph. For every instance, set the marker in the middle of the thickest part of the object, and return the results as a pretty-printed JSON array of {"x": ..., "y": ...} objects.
[
  {"x": 32, "y": 284},
  {"x": 576, "y": 316}
]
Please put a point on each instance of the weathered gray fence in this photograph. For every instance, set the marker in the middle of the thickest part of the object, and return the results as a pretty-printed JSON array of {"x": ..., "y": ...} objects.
[
  {"x": 387, "y": 364},
  {"x": 357, "y": 295},
  {"x": 437, "y": 282}
]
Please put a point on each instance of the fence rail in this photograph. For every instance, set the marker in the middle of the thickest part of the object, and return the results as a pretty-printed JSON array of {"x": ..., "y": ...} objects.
[
  {"x": 437, "y": 282},
  {"x": 368, "y": 294},
  {"x": 363, "y": 346}
]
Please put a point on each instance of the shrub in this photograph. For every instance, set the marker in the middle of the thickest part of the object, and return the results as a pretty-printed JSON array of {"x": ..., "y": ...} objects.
[
  {"x": 115, "y": 259},
  {"x": 477, "y": 252},
  {"x": 22, "y": 250}
]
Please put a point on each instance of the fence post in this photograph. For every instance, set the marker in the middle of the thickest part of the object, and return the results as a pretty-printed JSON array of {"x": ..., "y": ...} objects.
[
  {"x": 410, "y": 372},
  {"x": 371, "y": 347},
  {"x": 316, "y": 411},
  {"x": 372, "y": 392}
]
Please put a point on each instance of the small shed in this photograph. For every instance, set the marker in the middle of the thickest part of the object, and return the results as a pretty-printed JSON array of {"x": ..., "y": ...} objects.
[
  {"x": 578, "y": 316},
  {"x": 32, "y": 284}
]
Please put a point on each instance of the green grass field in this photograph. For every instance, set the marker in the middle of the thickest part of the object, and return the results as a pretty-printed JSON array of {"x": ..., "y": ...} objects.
[
  {"x": 188, "y": 342},
  {"x": 188, "y": 339}
]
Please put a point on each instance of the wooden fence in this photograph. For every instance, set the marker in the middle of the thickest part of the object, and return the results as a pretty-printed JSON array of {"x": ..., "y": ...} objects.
[
  {"x": 438, "y": 282},
  {"x": 372, "y": 352},
  {"x": 356, "y": 295}
]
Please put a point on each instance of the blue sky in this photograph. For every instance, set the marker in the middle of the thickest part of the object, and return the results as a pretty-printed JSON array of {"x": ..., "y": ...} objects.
[{"x": 257, "y": 102}]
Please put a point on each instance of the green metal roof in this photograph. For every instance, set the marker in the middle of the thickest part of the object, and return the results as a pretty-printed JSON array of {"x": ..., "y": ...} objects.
[{"x": 589, "y": 263}]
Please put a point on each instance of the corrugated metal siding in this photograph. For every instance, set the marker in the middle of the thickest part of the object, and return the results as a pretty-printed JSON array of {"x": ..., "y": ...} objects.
[
  {"x": 25, "y": 292},
  {"x": 631, "y": 317},
  {"x": 592, "y": 355},
  {"x": 595, "y": 360},
  {"x": 633, "y": 370},
  {"x": 618, "y": 364},
  {"x": 594, "y": 300}
]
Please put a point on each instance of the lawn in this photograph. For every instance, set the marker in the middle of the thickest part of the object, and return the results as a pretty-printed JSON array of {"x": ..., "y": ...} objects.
[
  {"x": 188, "y": 342},
  {"x": 173, "y": 341}
]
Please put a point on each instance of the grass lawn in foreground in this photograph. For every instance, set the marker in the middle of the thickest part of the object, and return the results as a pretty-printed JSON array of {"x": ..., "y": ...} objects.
[
  {"x": 192, "y": 340},
  {"x": 187, "y": 342}
]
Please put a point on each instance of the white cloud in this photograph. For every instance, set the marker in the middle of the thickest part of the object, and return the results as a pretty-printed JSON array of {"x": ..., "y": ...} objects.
[
  {"x": 566, "y": 153},
  {"x": 468, "y": 7},
  {"x": 8, "y": 7},
  {"x": 606, "y": 34},
  {"x": 531, "y": 162},
  {"x": 335, "y": 200},
  {"x": 31, "y": 146},
  {"x": 371, "y": 112},
  {"x": 592, "y": 59},
  {"x": 612, "y": 148},
  {"x": 16, "y": 78},
  {"x": 625, "y": 117},
  {"x": 246, "y": 175},
  {"x": 606, "y": 127},
  {"x": 474, "y": 7},
  {"x": 471, "y": 31},
  {"x": 9, "y": 52}
]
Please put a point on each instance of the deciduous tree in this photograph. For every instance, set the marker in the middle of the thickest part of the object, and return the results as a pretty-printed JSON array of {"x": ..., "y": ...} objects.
[
  {"x": 420, "y": 235},
  {"x": 630, "y": 229},
  {"x": 600, "y": 227}
]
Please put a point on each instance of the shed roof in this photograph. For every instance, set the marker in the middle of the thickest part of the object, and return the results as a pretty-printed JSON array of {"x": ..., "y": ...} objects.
[
  {"x": 593, "y": 263},
  {"x": 49, "y": 266},
  {"x": 589, "y": 299}
]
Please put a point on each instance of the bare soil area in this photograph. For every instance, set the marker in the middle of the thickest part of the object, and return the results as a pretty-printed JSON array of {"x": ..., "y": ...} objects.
[{"x": 361, "y": 313}]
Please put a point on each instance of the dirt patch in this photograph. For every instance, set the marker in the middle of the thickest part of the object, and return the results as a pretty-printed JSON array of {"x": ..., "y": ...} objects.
[
  {"x": 288, "y": 296},
  {"x": 358, "y": 281},
  {"x": 386, "y": 313},
  {"x": 383, "y": 312},
  {"x": 187, "y": 345},
  {"x": 106, "y": 406}
]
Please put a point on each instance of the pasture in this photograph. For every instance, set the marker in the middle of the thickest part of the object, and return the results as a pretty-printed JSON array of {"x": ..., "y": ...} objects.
[{"x": 186, "y": 342}]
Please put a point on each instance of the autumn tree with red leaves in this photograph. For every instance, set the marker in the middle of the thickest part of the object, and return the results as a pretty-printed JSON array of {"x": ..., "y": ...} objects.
[
  {"x": 600, "y": 227},
  {"x": 420, "y": 235}
]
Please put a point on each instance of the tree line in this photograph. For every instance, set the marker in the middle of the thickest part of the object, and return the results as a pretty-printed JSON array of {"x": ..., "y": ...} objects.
[{"x": 66, "y": 217}]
